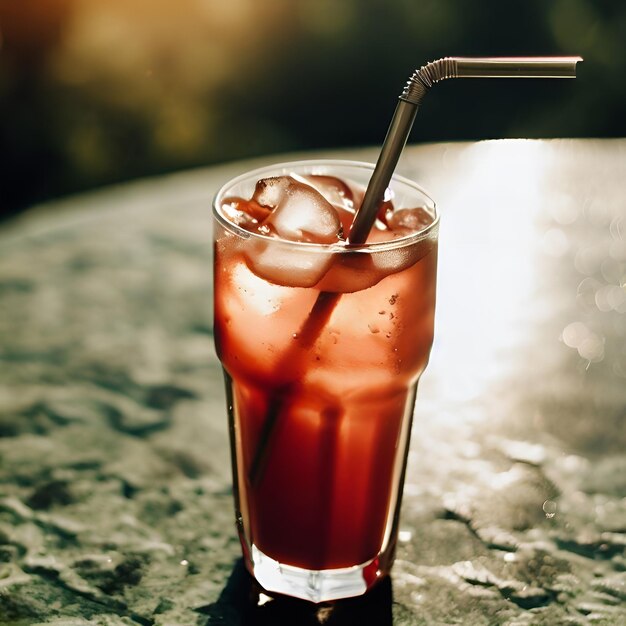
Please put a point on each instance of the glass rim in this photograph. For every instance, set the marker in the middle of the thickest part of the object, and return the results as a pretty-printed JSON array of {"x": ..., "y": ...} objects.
[{"x": 377, "y": 246}]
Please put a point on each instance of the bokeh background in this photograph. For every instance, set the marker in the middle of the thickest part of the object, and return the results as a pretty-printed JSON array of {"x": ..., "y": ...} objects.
[{"x": 99, "y": 91}]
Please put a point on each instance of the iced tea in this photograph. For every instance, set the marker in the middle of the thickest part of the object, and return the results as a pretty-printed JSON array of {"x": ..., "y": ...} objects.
[{"x": 322, "y": 345}]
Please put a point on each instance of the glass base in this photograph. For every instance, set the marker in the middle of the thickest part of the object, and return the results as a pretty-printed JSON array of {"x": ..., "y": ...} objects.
[{"x": 312, "y": 585}]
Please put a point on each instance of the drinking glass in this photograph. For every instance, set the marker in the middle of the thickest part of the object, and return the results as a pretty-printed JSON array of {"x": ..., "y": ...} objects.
[{"x": 322, "y": 347}]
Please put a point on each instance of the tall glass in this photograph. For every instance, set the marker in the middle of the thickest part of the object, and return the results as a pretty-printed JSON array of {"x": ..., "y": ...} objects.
[{"x": 321, "y": 373}]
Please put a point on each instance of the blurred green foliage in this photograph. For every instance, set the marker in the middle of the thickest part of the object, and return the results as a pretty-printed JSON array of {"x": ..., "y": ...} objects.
[{"x": 107, "y": 90}]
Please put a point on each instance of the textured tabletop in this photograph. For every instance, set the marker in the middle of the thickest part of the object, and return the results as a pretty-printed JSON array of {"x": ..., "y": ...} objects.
[{"x": 115, "y": 488}]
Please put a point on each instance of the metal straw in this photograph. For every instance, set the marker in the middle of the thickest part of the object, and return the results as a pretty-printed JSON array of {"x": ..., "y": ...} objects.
[{"x": 411, "y": 98}]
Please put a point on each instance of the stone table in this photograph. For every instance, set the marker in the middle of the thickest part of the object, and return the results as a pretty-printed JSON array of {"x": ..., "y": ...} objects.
[{"x": 115, "y": 487}]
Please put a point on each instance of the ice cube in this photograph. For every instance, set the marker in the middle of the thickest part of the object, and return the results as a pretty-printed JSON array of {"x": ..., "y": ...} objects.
[
  {"x": 245, "y": 213},
  {"x": 300, "y": 212},
  {"x": 284, "y": 264},
  {"x": 270, "y": 191},
  {"x": 291, "y": 210},
  {"x": 350, "y": 272},
  {"x": 355, "y": 271},
  {"x": 335, "y": 190},
  {"x": 405, "y": 221}
]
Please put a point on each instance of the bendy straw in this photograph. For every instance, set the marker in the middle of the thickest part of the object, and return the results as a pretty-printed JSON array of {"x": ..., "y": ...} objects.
[{"x": 411, "y": 98}]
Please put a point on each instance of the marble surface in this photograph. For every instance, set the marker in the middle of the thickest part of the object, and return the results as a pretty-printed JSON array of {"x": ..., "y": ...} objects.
[{"x": 115, "y": 489}]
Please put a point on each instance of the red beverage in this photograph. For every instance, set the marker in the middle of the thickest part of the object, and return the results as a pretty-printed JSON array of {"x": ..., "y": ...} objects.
[{"x": 322, "y": 345}]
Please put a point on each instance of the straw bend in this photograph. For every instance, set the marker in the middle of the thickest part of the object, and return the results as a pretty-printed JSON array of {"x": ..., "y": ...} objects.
[{"x": 486, "y": 67}]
